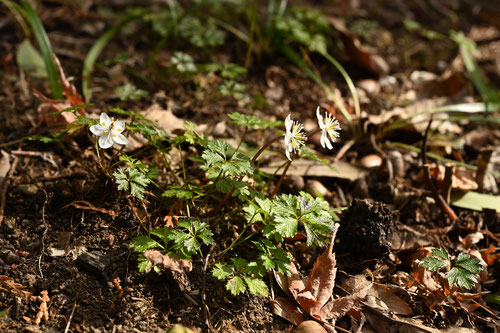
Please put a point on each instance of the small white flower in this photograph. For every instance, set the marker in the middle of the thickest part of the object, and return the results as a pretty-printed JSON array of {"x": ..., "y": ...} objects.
[
  {"x": 294, "y": 138},
  {"x": 108, "y": 131},
  {"x": 329, "y": 129}
]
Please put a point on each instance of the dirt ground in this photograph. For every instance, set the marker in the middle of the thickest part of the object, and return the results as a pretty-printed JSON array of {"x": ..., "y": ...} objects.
[{"x": 83, "y": 257}]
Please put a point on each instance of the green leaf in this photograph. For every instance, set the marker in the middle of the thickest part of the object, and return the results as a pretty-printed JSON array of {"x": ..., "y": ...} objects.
[
  {"x": 470, "y": 264},
  {"x": 239, "y": 263},
  {"x": 461, "y": 277},
  {"x": 30, "y": 60},
  {"x": 236, "y": 286},
  {"x": 256, "y": 286},
  {"x": 222, "y": 271},
  {"x": 441, "y": 253},
  {"x": 476, "y": 201},
  {"x": 192, "y": 244},
  {"x": 433, "y": 264},
  {"x": 45, "y": 48},
  {"x": 129, "y": 92},
  {"x": 142, "y": 243},
  {"x": 492, "y": 298}
]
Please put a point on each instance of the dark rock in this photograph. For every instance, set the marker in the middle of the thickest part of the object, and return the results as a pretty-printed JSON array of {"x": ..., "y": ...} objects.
[
  {"x": 95, "y": 262},
  {"x": 9, "y": 257},
  {"x": 366, "y": 230}
]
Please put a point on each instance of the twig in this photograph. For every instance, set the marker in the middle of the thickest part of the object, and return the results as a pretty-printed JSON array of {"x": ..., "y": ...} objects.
[
  {"x": 205, "y": 309},
  {"x": 70, "y": 318},
  {"x": 440, "y": 200},
  {"x": 482, "y": 165},
  {"x": 47, "y": 199},
  {"x": 11, "y": 143},
  {"x": 447, "y": 181},
  {"x": 280, "y": 180},
  {"x": 134, "y": 211},
  {"x": 423, "y": 151}
]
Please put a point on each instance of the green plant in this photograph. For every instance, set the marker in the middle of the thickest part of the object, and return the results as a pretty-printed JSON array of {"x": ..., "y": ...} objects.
[
  {"x": 462, "y": 271},
  {"x": 131, "y": 179},
  {"x": 182, "y": 242},
  {"x": 129, "y": 92}
]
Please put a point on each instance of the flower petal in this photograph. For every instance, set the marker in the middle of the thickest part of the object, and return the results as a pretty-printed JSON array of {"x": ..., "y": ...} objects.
[
  {"x": 288, "y": 123},
  {"x": 119, "y": 138},
  {"x": 104, "y": 120},
  {"x": 288, "y": 153},
  {"x": 98, "y": 130},
  {"x": 106, "y": 140},
  {"x": 119, "y": 126}
]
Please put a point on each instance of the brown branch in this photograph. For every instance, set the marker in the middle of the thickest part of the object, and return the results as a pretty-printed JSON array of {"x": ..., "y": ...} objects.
[{"x": 439, "y": 199}]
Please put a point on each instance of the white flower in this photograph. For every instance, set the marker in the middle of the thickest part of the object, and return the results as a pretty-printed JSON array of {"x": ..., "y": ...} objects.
[
  {"x": 294, "y": 138},
  {"x": 329, "y": 129},
  {"x": 109, "y": 130}
]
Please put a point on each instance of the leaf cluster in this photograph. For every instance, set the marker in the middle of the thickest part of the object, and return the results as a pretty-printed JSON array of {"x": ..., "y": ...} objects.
[
  {"x": 251, "y": 121},
  {"x": 243, "y": 274},
  {"x": 182, "y": 242},
  {"x": 224, "y": 169},
  {"x": 463, "y": 270},
  {"x": 131, "y": 179},
  {"x": 283, "y": 216}
]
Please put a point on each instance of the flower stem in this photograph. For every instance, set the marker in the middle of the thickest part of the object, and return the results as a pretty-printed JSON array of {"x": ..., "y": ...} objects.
[
  {"x": 228, "y": 195},
  {"x": 280, "y": 180}
]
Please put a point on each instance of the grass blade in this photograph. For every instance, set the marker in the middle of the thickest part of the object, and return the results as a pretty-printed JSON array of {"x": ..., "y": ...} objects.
[
  {"x": 45, "y": 49},
  {"x": 95, "y": 51}
]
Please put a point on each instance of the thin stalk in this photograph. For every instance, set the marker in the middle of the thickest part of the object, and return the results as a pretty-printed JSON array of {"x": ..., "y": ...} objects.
[
  {"x": 228, "y": 194},
  {"x": 280, "y": 180}
]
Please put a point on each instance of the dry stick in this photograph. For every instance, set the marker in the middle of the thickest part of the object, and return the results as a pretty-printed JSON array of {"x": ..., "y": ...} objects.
[
  {"x": 424, "y": 142},
  {"x": 442, "y": 203},
  {"x": 482, "y": 165},
  {"x": 47, "y": 199},
  {"x": 70, "y": 318},
  {"x": 134, "y": 211},
  {"x": 206, "y": 310},
  {"x": 447, "y": 181}
]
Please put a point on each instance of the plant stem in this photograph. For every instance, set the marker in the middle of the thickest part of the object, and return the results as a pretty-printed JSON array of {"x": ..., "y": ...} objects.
[
  {"x": 280, "y": 180},
  {"x": 228, "y": 195}
]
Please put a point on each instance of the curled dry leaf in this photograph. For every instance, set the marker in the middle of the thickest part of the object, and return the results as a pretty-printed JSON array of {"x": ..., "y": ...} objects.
[
  {"x": 4, "y": 165},
  {"x": 384, "y": 299},
  {"x": 462, "y": 178},
  {"x": 471, "y": 239},
  {"x": 312, "y": 295},
  {"x": 171, "y": 264}
]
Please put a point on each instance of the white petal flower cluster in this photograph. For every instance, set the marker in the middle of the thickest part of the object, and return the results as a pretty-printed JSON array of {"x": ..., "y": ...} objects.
[
  {"x": 329, "y": 129},
  {"x": 294, "y": 137},
  {"x": 109, "y": 130}
]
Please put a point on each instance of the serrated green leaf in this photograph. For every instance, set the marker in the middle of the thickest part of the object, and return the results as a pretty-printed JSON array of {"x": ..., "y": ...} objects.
[
  {"x": 433, "y": 264},
  {"x": 206, "y": 237},
  {"x": 236, "y": 286},
  {"x": 129, "y": 92},
  {"x": 461, "y": 277},
  {"x": 441, "y": 253},
  {"x": 239, "y": 263},
  {"x": 256, "y": 286},
  {"x": 192, "y": 244},
  {"x": 470, "y": 264},
  {"x": 255, "y": 268},
  {"x": 142, "y": 243},
  {"x": 137, "y": 190},
  {"x": 222, "y": 271}
]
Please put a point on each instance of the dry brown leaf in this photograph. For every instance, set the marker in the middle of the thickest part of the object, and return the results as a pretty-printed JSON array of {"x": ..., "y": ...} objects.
[
  {"x": 383, "y": 298},
  {"x": 4, "y": 165},
  {"x": 357, "y": 52},
  {"x": 462, "y": 179},
  {"x": 171, "y": 264},
  {"x": 471, "y": 239},
  {"x": 288, "y": 309},
  {"x": 311, "y": 168}
]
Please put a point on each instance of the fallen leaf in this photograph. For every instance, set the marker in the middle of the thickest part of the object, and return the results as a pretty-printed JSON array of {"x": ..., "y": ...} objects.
[
  {"x": 462, "y": 178},
  {"x": 171, "y": 264},
  {"x": 288, "y": 309},
  {"x": 4, "y": 165},
  {"x": 164, "y": 118},
  {"x": 311, "y": 168},
  {"x": 383, "y": 298},
  {"x": 471, "y": 239},
  {"x": 476, "y": 201}
]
